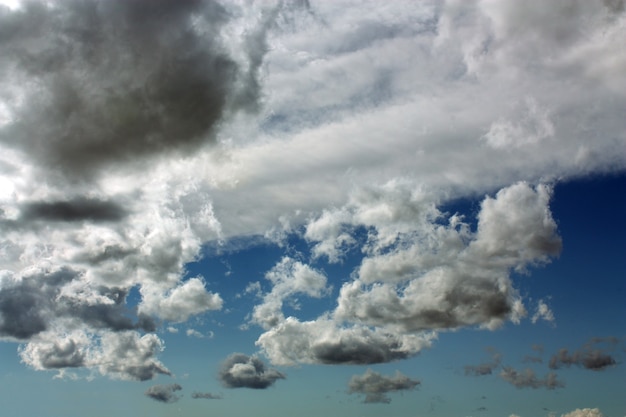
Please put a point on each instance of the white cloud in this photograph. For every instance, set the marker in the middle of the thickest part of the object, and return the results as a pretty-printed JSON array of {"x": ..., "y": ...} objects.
[
  {"x": 584, "y": 412},
  {"x": 367, "y": 119},
  {"x": 288, "y": 277},
  {"x": 543, "y": 312},
  {"x": 178, "y": 304}
]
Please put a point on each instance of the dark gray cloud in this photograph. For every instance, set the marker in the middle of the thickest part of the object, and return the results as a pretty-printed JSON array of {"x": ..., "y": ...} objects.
[
  {"x": 375, "y": 386},
  {"x": 243, "y": 371},
  {"x": 164, "y": 393},
  {"x": 116, "y": 82},
  {"x": 593, "y": 359},
  {"x": 206, "y": 396},
  {"x": 29, "y": 303},
  {"x": 358, "y": 352},
  {"x": 74, "y": 210},
  {"x": 528, "y": 379},
  {"x": 484, "y": 368}
]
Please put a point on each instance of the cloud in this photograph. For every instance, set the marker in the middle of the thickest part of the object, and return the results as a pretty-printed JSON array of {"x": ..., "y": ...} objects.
[
  {"x": 120, "y": 355},
  {"x": 206, "y": 396},
  {"x": 588, "y": 358},
  {"x": 242, "y": 371},
  {"x": 288, "y": 277},
  {"x": 528, "y": 379},
  {"x": 376, "y": 386},
  {"x": 325, "y": 341},
  {"x": 543, "y": 312},
  {"x": 95, "y": 101},
  {"x": 484, "y": 368},
  {"x": 164, "y": 393},
  {"x": 187, "y": 299},
  {"x": 79, "y": 209},
  {"x": 584, "y": 412}
]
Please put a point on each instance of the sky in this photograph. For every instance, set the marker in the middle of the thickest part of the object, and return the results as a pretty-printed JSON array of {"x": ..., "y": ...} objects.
[{"x": 353, "y": 208}]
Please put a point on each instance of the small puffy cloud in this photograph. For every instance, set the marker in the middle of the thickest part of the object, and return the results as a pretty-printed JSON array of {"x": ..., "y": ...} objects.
[
  {"x": 164, "y": 393},
  {"x": 584, "y": 412},
  {"x": 243, "y": 371},
  {"x": 528, "y": 379},
  {"x": 206, "y": 396},
  {"x": 194, "y": 333},
  {"x": 376, "y": 386}
]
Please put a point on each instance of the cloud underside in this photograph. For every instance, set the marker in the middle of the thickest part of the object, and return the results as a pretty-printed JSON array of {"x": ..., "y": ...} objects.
[
  {"x": 422, "y": 275},
  {"x": 131, "y": 137},
  {"x": 376, "y": 386},
  {"x": 164, "y": 393},
  {"x": 243, "y": 371}
]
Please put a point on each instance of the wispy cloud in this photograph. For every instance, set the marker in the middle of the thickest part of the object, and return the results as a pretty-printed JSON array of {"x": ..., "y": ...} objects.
[{"x": 527, "y": 379}]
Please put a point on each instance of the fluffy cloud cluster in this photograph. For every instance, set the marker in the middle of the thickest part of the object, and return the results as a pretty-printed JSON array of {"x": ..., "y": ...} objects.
[
  {"x": 422, "y": 274},
  {"x": 242, "y": 371},
  {"x": 584, "y": 412},
  {"x": 376, "y": 386},
  {"x": 130, "y": 136}
]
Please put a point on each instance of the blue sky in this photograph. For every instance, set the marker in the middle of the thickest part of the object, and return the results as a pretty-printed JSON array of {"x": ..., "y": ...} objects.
[{"x": 298, "y": 208}]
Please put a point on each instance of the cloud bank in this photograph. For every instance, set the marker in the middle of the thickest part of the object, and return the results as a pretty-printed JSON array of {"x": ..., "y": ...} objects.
[{"x": 131, "y": 137}]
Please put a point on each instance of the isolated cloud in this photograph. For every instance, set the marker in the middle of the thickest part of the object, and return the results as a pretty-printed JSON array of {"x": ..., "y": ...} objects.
[
  {"x": 543, "y": 312},
  {"x": 584, "y": 412},
  {"x": 528, "y": 379},
  {"x": 376, "y": 386},
  {"x": 242, "y": 371},
  {"x": 164, "y": 393},
  {"x": 206, "y": 396}
]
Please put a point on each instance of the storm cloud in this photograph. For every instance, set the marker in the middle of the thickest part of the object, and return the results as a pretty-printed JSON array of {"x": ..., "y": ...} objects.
[{"x": 114, "y": 83}]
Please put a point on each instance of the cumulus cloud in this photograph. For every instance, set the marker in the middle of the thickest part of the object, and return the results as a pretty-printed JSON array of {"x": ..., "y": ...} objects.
[
  {"x": 325, "y": 341},
  {"x": 376, "y": 386},
  {"x": 422, "y": 274},
  {"x": 111, "y": 83},
  {"x": 288, "y": 277},
  {"x": 124, "y": 355},
  {"x": 243, "y": 371},
  {"x": 164, "y": 393},
  {"x": 528, "y": 379},
  {"x": 584, "y": 412},
  {"x": 127, "y": 142}
]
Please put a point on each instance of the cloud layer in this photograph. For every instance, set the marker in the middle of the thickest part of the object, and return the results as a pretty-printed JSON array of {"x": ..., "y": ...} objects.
[{"x": 131, "y": 137}]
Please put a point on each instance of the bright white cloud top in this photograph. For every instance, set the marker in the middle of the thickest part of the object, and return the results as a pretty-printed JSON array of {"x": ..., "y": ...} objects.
[{"x": 134, "y": 132}]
